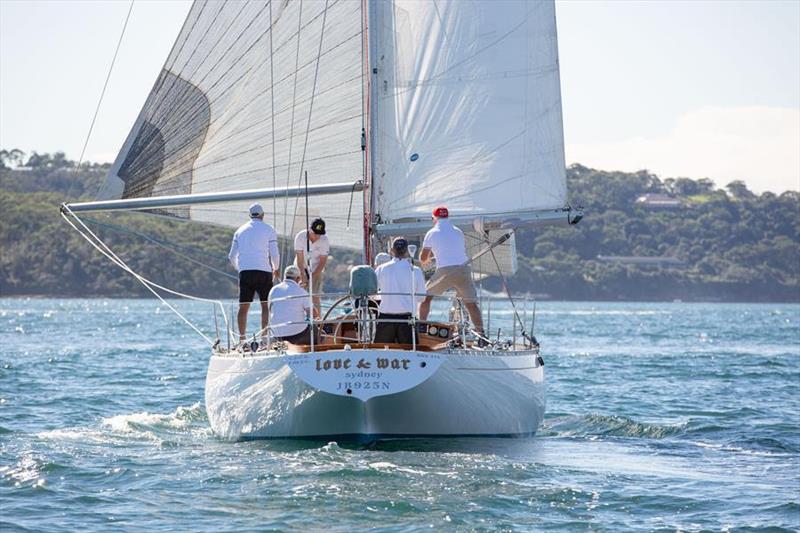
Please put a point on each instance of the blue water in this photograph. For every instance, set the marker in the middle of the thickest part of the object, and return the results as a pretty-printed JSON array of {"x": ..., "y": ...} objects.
[{"x": 660, "y": 417}]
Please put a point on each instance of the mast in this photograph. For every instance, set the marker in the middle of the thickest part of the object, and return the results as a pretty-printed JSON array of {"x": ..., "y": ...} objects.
[{"x": 369, "y": 43}]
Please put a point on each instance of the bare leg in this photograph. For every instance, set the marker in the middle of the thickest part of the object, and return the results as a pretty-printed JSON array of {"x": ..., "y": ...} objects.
[
  {"x": 317, "y": 304},
  {"x": 475, "y": 315},
  {"x": 425, "y": 308},
  {"x": 264, "y": 319},
  {"x": 241, "y": 319}
]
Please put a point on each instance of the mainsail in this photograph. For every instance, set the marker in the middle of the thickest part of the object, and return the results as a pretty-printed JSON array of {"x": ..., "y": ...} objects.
[{"x": 252, "y": 95}]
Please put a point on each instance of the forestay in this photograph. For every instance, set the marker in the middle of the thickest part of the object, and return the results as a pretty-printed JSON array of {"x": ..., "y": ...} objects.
[{"x": 252, "y": 94}]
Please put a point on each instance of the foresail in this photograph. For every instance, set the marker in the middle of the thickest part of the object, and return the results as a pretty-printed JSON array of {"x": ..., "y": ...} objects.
[
  {"x": 252, "y": 94},
  {"x": 468, "y": 110}
]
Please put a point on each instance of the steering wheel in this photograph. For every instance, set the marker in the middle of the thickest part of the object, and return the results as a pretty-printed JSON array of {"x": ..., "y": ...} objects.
[{"x": 337, "y": 332}]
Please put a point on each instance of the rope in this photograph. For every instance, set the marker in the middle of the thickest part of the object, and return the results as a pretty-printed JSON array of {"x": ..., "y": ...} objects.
[
  {"x": 510, "y": 298},
  {"x": 102, "y": 94},
  {"x": 168, "y": 245},
  {"x": 272, "y": 112},
  {"x": 291, "y": 122},
  {"x": 308, "y": 122},
  {"x": 104, "y": 249}
]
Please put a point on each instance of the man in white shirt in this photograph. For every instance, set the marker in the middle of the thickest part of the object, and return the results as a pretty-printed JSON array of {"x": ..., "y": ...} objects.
[
  {"x": 288, "y": 309},
  {"x": 254, "y": 254},
  {"x": 398, "y": 280},
  {"x": 446, "y": 243},
  {"x": 314, "y": 242}
]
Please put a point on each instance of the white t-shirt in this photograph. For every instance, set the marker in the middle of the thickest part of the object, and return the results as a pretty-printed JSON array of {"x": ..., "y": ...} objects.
[
  {"x": 292, "y": 309},
  {"x": 447, "y": 244},
  {"x": 396, "y": 277},
  {"x": 319, "y": 249},
  {"x": 255, "y": 247}
]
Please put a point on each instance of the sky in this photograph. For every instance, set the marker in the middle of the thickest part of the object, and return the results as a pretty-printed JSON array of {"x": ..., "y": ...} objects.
[{"x": 680, "y": 88}]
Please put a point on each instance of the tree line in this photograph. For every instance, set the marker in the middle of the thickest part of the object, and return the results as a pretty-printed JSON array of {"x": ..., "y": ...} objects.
[{"x": 731, "y": 244}]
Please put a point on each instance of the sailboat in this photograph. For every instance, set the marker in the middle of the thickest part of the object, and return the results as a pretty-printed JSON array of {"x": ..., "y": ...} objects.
[{"x": 369, "y": 113}]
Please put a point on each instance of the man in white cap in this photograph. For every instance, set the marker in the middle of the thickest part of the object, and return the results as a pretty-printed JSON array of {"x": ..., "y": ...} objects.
[
  {"x": 382, "y": 258},
  {"x": 288, "y": 309},
  {"x": 446, "y": 243},
  {"x": 311, "y": 249},
  {"x": 254, "y": 254}
]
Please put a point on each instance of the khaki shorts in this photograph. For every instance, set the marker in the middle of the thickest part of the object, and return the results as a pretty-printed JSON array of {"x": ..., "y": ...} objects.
[
  {"x": 458, "y": 277},
  {"x": 319, "y": 280}
]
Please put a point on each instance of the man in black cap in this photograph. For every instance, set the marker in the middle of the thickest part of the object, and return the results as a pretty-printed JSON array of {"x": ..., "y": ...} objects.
[
  {"x": 311, "y": 249},
  {"x": 402, "y": 288}
]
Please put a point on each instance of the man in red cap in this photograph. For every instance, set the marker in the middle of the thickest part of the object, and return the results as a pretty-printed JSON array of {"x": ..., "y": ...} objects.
[{"x": 445, "y": 242}]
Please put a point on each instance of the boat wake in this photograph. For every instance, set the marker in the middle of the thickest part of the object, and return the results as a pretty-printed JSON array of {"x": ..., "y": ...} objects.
[
  {"x": 597, "y": 425},
  {"x": 181, "y": 425},
  {"x": 164, "y": 428}
]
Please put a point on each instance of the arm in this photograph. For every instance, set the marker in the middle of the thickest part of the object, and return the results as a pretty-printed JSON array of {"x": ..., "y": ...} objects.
[
  {"x": 275, "y": 257},
  {"x": 425, "y": 256},
  {"x": 321, "y": 266},
  {"x": 300, "y": 259},
  {"x": 419, "y": 289},
  {"x": 233, "y": 255}
]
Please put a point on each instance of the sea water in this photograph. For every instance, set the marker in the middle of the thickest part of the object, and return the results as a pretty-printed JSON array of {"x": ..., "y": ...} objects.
[{"x": 660, "y": 416}]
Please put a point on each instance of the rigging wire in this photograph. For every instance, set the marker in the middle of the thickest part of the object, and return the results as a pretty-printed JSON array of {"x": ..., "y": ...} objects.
[
  {"x": 104, "y": 249},
  {"x": 168, "y": 245},
  {"x": 291, "y": 122},
  {"x": 102, "y": 94},
  {"x": 310, "y": 110}
]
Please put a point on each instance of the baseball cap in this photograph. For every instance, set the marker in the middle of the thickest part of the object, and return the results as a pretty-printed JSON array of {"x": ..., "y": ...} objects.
[
  {"x": 441, "y": 212},
  {"x": 318, "y": 226},
  {"x": 400, "y": 245},
  {"x": 382, "y": 258},
  {"x": 256, "y": 210},
  {"x": 291, "y": 271}
]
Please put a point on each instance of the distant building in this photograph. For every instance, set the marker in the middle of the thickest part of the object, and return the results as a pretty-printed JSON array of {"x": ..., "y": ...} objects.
[
  {"x": 658, "y": 201},
  {"x": 663, "y": 261}
]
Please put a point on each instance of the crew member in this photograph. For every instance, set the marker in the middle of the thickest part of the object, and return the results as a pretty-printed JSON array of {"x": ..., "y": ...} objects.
[
  {"x": 382, "y": 258},
  {"x": 446, "y": 244},
  {"x": 254, "y": 254},
  {"x": 398, "y": 280},
  {"x": 314, "y": 242},
  {"x": 288, "y": 309}
]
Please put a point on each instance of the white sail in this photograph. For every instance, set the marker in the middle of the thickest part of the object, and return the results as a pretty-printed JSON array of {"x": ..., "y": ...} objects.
[
  {"x": 468, "y": 109},
  {"x": 253, "y": 94}
]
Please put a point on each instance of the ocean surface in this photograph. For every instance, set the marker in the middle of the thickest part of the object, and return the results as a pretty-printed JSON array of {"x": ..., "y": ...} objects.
[{"x": 662, "y": 416}]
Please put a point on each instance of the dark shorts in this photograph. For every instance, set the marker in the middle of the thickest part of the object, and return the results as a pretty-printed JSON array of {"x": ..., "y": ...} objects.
[
  {"x": 304, "y": 337},
  {"x": 254, "y": 281},
  {"x": 393, "y": 331}
]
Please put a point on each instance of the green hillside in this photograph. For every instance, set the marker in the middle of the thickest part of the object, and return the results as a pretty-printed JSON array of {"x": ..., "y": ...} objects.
[{"x": 720, "y": 245}]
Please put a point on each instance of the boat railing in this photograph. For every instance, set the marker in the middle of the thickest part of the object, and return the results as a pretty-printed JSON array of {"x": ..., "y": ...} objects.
[{"x": 357, "y": 320}]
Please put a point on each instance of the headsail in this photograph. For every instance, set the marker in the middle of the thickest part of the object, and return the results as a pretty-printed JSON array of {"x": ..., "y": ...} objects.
[
  {"x": 468, "y": 109},
  {"x": 252, "y": 94}
]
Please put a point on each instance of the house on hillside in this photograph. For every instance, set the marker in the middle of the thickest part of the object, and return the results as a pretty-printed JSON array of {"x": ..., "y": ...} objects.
[{"x": 658, "y": 201}]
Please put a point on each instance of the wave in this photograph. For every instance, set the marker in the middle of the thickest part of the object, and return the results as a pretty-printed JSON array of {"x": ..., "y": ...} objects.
[
  {"x": 597, "y": 425},
  {"x": 180, "y": 419}
]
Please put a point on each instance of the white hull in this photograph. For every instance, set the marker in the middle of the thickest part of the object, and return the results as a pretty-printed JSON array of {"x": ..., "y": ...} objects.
[{"x": 471, "y": 394}]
